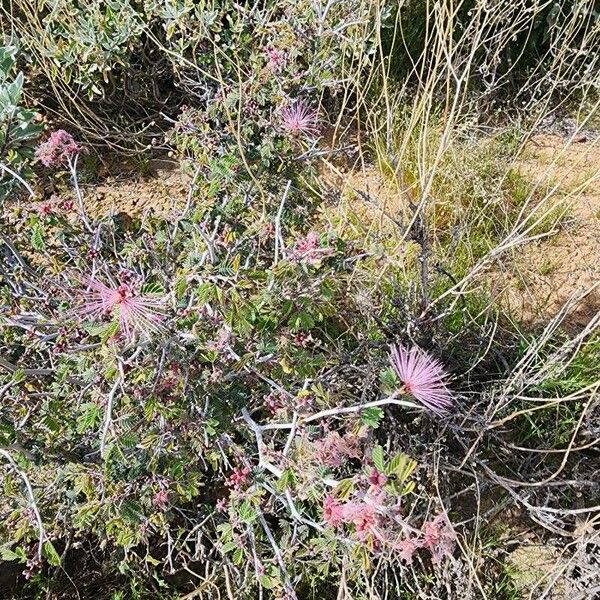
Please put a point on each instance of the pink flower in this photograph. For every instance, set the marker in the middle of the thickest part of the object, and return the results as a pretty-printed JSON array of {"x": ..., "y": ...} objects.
[
  {"x": 299, "y": 119},
  {"x": 364, "y": 518},
  {"x": 439, "y": 538},
  {"x": 422, "y": 376},
  {"x": 160, "y": 500},
  {"x": 276, "y": 59},
  {"x": 239, "y": 478},
  {"x": 45, "y": 209},
  {"x": 377, "y": 479},
  {"x": 407, "y": 547},
  {"x": 333, "y": 449},
  {"x": 333, "y": 511},
  {"x": 136, "y": 312},
  {"x": 274, "y": 402},
  {"x": 59, "y": 147},
  {"x": 308, "y": 250}
]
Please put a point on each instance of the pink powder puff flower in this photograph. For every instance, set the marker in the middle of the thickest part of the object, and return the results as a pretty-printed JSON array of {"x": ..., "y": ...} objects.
[
  {"x": 135, "y": 312},
  {"x": 439, "y": 538},
  {"x": 333, "y": 511},
  {"x": 299, "y": 119},
  {"x": 423, "y": 377},
  {"x": 59, "y": 148}
]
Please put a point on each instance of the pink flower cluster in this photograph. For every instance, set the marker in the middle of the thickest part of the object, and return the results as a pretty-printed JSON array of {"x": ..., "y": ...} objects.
[
  {"x": 307, "y": 249},
  {"x": 239, "y": 478},
  {"x": 160, "y": 500},
  {"x": 276, "y": 58},
  {"x": 53, "y": 205},
  {"x": 274, "y": 402},
  {"x": 59, "y": 148},
  {"x": 363, "y": 516},
  {"x": 333, "y": 449},
  {"x": 436, "y": 536}
]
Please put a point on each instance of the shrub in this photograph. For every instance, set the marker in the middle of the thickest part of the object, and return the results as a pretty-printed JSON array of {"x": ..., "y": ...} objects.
[{"x": 18, "y": 127}]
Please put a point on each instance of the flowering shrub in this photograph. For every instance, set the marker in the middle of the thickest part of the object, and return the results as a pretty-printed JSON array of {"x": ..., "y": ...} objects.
[{"x": 190, "y": 388}]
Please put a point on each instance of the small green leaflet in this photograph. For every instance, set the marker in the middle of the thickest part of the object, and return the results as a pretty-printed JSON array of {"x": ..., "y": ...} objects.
[
  {"x": 49, "y": 551},
  {"x": 371, "y": 416},
  {"x": 378, "y": 459},
  {"x": 37, "y": 238}
]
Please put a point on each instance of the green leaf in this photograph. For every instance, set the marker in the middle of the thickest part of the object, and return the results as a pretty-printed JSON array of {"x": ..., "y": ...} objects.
[
  {"x": 371, "y": 416},
  {"x": 37, "y": 238},
  {"x": 344, "y": 489},
  {"x": 238, "y": 556},
  {"x": 389, "y": 380},
  {"x": 153, "y": 288},
  {"x": 378, "y": 459},
  {"x": 267, "y": 582},
  {"x": 89, "y": 418},
  {"x": 401, "y": 466},
  {"x": 7, "y": 61},
  {"x": 49, "y": 551},
  {"x": 287, "y": 480},
  {"x": 7, "y": 554},
  {"x": 246, "y": 513},
  {"x": 229, "y": 547}
]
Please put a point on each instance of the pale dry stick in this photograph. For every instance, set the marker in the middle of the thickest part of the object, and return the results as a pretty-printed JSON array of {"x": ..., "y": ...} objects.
[
  {"x": 291, "y": 436},
  {"x": 209, "y": 244},
  {"x": 3, "y": 167},
  {"x": 278, "y": 238},
  {"x": 345, "y": 410},
  {"x": 258, "y": 434},
  {"x": 564, "y": 460},
  {"x": 251, "y": 539},
  {"x": 463, "y": 548},
  {"x": 34, "y": 507},
  {"x": 587, "y": 446},
  {"x": 519, "y": 378},
  {"x": 190, "y": 197},
  {"x": 109, "y": 408},
  {"x": 278, "y": 555},
  {"x": 73, "y": 170}
]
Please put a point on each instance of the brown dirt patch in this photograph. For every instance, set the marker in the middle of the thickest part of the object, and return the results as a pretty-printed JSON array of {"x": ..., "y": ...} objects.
[
  {"x": 545, "y": 274},
  {"x": 161, "y": 191}
]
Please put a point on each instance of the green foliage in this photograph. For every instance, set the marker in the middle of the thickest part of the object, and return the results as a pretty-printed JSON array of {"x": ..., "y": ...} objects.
[{"x": 18, "y": 129}]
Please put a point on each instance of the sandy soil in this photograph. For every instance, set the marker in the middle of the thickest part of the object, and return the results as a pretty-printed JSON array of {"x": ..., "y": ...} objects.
[
  {"x": 161, "y": 191},
  {"x": 545, "y": 274}
]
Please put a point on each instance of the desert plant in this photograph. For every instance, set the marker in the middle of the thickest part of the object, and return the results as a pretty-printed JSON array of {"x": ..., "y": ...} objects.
[{"x": 18, "y": 126}]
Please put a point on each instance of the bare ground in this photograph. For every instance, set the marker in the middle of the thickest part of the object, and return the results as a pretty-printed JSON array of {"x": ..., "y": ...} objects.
[{"x": 545, "y": 274}]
